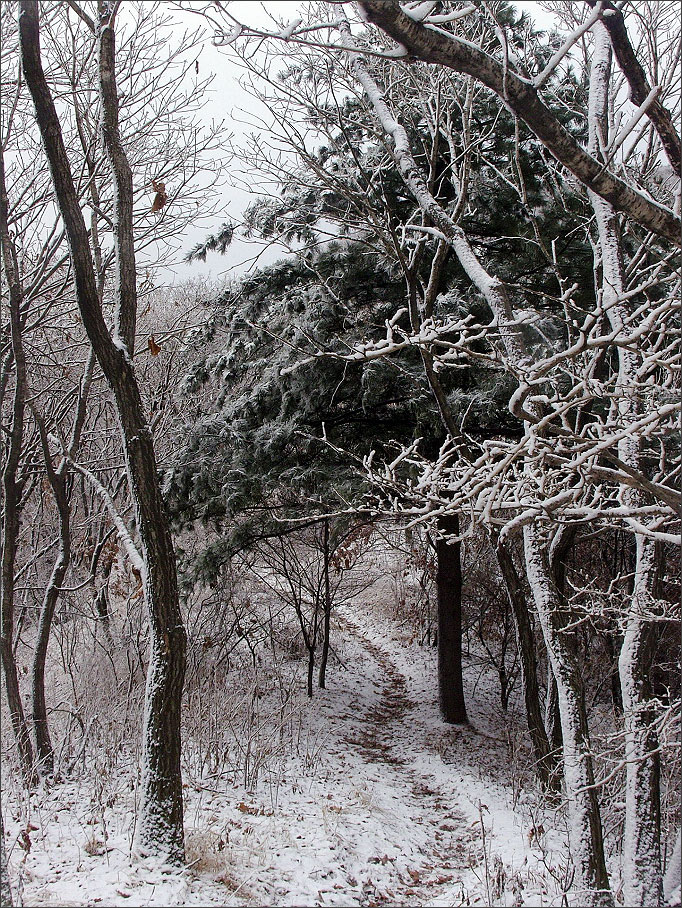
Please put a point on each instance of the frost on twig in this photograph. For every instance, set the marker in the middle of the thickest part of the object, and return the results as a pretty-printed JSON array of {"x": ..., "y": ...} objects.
[{"x": 121, "y": 529}]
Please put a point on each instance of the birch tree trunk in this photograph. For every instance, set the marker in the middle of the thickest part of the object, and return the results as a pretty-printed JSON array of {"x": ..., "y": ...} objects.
[{"x": 160, "y": 826}]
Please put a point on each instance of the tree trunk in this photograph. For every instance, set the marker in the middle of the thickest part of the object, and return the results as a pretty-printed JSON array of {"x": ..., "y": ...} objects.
[
  {"x": 311, "y": 672},
  {"x": 5, "y": 888},
  {"x": 44, "y": 750},
  {"x": 449, "y": 585},
  {"x": 160, "y": 826},
  {"x": 585, "y": 832},
  {"x": 58, "y": 483},
  {"x": 11, "y": 497},
  {"x": 546, "y": 758},
  {"x": 642, "y": 870},
  {"x": 327, "y": 608},
  {"x": 552, "y": 712}
]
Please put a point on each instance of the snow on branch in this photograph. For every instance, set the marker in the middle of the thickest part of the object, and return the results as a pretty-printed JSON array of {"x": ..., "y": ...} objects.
[
  {"x": 136, "y": 559},
  {"x": 423, "y": 12},
  {"x": 572, "y": 39},
  {"x": 634, "y": 120}
]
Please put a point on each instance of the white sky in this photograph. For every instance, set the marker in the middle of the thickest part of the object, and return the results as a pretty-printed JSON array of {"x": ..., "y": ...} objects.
[{"x": 226, "y": 101}]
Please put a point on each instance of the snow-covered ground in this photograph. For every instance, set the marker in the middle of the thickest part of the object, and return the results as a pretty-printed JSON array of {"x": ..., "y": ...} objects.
[{"x": 377, "y": 802}]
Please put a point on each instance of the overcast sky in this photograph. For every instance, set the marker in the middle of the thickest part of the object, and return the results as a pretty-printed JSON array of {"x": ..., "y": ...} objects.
[{"x": 228, "y": 100}]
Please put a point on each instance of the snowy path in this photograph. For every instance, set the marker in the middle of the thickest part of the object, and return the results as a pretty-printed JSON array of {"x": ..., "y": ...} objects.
[
  {"x": 439, "y": 835},
  {"x": 379, "y": 804}
]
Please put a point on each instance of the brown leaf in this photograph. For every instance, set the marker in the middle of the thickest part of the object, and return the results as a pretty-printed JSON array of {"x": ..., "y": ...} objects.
[
  {"x": 160, "y": 198},
  {"x": 247, "y": 808}
]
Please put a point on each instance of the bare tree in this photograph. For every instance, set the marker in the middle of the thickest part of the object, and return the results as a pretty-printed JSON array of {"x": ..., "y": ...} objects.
[
  {"x": 161, "y": 821},
  {"x": 58, "y": 479},
  {"x": 642, "y": 876},
  {"x": 12, "y": 487}
]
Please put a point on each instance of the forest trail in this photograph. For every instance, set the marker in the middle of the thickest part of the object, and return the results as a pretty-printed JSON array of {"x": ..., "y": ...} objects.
[
  {"x": 373, "y": 801},
  {"x": 383, "y": 723},
  {"x": 384, "y": 736}
]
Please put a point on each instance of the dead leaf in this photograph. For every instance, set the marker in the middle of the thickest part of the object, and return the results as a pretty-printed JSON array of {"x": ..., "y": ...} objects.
[
  {"x": 247, "y": 808},
  {"x": 160, "y": 198}
]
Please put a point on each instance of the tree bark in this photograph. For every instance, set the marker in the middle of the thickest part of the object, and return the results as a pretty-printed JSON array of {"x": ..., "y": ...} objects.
[
  {"x": 311, "y": 673},
  {"x": 547, "y": 764},
  {"x": 160, "y": 826},
  {"x": 44, "y": 749},
  {"x": 326, "y": 628},
  {"x": 59, "y": 485},
  {"x": 552, "y": 712},
  {"x": 586, "y": 836},
  {"x": 639, "y": 84},
  {"x": 642, "y": 870},
  {"x": 449, "y": 586},
  {"x": 5, "y": 888}
]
